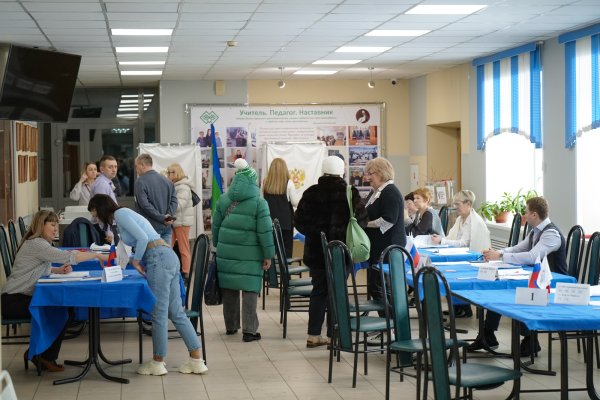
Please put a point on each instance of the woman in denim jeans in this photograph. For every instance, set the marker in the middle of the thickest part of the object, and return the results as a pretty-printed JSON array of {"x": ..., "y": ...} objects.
[{"x": 161, "y": 268}]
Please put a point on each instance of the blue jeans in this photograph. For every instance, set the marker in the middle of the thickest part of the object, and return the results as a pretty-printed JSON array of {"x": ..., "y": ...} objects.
[
  {"x": 166, "y": 234},
  {"x": 162, "y": 271}
]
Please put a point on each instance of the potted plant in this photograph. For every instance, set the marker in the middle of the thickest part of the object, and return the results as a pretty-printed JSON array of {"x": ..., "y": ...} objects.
[
  {"x": 498, "y": 210},
  {"x": 520, "y": 202}
]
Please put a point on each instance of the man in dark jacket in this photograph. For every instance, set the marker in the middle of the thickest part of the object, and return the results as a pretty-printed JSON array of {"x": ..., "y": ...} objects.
[{"x": 324, "y": 208}]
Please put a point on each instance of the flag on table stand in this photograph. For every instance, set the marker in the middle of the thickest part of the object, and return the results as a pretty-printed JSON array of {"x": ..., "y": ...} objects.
[
  {"x": 541, "y": 276},
  {"x": 112, "y": 256},
  {"x": 217, "y": 181},
  {"x": 412, "y": 250}
]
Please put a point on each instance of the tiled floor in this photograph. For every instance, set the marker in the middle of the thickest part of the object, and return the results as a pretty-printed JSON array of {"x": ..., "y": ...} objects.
[{"x": 272, "y": 368}]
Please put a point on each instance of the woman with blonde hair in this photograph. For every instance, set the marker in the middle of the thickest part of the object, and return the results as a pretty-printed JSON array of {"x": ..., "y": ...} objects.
[
  {"x": 281, "y": 196},
  {"x": 34, "y": 259},
  {"x": 83, "y": 189},
  {"x": 184, "y": 215}
]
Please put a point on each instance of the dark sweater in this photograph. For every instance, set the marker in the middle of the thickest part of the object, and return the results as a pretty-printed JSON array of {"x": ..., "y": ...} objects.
[{"x": 389, "y": 206}]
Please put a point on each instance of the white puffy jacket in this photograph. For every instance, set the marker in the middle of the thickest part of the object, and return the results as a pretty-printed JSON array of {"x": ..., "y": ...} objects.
[{"x": 185, "y": 209}]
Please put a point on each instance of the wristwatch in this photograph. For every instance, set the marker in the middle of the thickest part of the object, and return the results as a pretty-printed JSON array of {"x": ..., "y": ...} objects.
[{"x": 501, "y": 255}]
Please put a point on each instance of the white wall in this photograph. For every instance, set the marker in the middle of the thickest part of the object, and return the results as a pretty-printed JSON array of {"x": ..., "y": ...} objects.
[{"x": 174, "y": 95}]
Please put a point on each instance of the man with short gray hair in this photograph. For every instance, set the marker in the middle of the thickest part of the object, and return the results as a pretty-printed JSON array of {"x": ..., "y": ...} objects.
[{"x": 155, "y": 197}]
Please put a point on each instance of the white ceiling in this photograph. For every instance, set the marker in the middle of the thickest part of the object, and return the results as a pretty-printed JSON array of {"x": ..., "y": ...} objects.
[{"x": 273, "y": 33}]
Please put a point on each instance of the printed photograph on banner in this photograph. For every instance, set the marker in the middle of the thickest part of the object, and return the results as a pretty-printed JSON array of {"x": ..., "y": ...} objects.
[
  {"x": 363, "y": 191},
  {"x": 206, "y": 193},
  {"x": 332, "y": 135},
  {"x": 205, "y": 154},
  {"x": 363, "y": 135},
  {"x": 205, "y": 179},
  {"x": 206, "y": 218},
  {"x": 362, "y": 155},
  {"x": 340, "y": 152},
  {"x": 233, "y": 154},
  {"x": 358, "y": 177},
  {"x": 237, "y": 136}
]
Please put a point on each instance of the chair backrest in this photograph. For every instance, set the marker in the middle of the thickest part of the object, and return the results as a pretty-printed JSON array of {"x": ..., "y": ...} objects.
[
  {"x": 394, "y": 282},
  {"x": 574, "y": 250},
  {"x": 515, "y": 230},
  {"x": 22, "y": 226},
  {"x": 444, "y": 218},
  {"x": 7, "y": 391},
  {"x": 12, "y": 234},
  {"x": 281, "y": 256},
  {"x": 591, "y": 269},
  {"x": 338, "y": 265},
  {"x": 526, "y": 229},
  {"x": 198, "y": 271},
  {"x": 427, "y": 287},
  {"x": 5, "y": 252}
]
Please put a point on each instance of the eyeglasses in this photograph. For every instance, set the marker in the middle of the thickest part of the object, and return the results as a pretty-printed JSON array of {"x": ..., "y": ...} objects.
[
  {"x": 170, "y": 172},
  {"x": 369, "y": 173}
]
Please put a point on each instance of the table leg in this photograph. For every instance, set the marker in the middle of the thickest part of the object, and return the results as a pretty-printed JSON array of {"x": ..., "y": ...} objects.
[
  {"x": 589, "y": 367},
  {"x": 515, "y": 349},
  {"x": 94, "y": 353}
]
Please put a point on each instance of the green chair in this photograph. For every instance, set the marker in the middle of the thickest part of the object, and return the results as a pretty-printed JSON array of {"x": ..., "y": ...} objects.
[
  {"x": 348, "y": 324},
  {"x": 515, "y": 231},
  {"x": 466, "y": 376},
  {"x": 22, "y": 227},
  {"x": 294, "y": 293},
  {"x": 444, "y": 218},
  {"x": 7, "y": 260},
  {"x": 12, "y": 234}
]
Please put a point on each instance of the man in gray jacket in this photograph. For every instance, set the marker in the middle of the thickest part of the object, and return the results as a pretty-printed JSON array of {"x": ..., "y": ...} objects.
[{"x": 155, "y": 197}]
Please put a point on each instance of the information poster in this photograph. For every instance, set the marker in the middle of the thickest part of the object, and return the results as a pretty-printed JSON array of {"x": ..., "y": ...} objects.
[{"x": 352, "y": 131}]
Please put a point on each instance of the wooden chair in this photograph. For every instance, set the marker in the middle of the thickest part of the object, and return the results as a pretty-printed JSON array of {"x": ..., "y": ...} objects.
[{"x": 466, "y": 376}]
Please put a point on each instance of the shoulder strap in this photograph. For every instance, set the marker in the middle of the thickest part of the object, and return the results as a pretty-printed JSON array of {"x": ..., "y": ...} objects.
[{"x": 349, "y": 197}]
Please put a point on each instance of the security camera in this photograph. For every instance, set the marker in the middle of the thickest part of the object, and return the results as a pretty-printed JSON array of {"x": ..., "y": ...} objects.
[{"x": 394, "y": 81}]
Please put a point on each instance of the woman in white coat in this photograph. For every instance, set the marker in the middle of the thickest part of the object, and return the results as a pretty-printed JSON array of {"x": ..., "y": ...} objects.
[
  {"x": 184, "y": 216},
  {"x": 469, "y": 230}
]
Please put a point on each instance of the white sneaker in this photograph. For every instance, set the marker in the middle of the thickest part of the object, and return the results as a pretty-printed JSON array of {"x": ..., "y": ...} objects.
[
  {"x": 152, "y": 368},
  {"x": 193, "y": 367}
]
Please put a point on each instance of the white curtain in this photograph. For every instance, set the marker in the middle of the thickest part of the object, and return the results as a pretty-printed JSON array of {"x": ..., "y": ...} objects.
[{"x": 188, "y": 156}]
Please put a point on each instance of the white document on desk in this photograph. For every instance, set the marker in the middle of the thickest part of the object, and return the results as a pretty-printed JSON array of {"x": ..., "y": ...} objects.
[
  {"x": 497, "y": 264},
  {"x": 70, "y": 275},
  {"x": 103, "y": 248},
  {"x": 595, "y": 290},
  {"x": 422, "y": 241},
  {"x": 453, "y": 250},
  {"x": 514, "y": 274}
]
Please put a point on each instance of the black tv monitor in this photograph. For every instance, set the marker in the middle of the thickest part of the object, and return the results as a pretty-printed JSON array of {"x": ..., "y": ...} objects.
[{"x": 36, "y": 85}]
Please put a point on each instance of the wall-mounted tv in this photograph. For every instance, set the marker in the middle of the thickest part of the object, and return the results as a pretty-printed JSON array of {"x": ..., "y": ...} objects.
[{"x": 36, "y": 85}]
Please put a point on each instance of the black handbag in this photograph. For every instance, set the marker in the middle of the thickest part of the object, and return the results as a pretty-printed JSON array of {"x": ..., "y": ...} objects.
[
  {"x": 195, "y": 198},
  {"x": 212, "y": 291}
]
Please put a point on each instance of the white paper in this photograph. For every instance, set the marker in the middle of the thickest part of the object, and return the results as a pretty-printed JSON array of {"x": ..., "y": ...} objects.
[
  {"x": 594, "y": 303},
  {"x": 497, "y": 264},
  {"x": 112, "y": 274},
  {"x": 441, "y": 195},
  {"x": 487, "y": 273},
  {"x": 453, "y": 250},
  {"x": 104, "y": 247},
  {"x": 421, "y": 241},
  {"x": 442, "y": 263},
  {"x": 513, "y": 271},
  {"x": 572, "y": 293},
  {"x": 595, "y": 290},
  {"x": 123, "y": 254},
  {"x": 70, "y": 275},
  {"x": 532, "y": 296}
]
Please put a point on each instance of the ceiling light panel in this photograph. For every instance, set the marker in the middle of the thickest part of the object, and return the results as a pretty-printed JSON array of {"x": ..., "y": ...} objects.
[
  {"x": 445, "y": 9},
  {"x": 141, "y": 73},
  {"x": 113, "y": 7},
  {"x": 142, "y": 62},
  {"x": 141, "y": 32},
  {"x": 142, "y": 49}
]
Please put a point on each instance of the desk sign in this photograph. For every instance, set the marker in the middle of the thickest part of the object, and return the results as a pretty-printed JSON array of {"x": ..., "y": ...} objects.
[
  {"x": 576, "y": 294},
  {"x": 112, "y": 274},
  {"x": 532, "y": 296},
  {"x": 487, "y": 273}
]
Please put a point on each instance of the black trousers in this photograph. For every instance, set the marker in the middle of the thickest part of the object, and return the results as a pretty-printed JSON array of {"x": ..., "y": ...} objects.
[
  {"x": 492, "y": 321},
  {"x": 288, "y": 241},
  {"x": 375, "y": 288},
  {"x": 15, "y": 306},
  {"x": 318, "y": 303}
]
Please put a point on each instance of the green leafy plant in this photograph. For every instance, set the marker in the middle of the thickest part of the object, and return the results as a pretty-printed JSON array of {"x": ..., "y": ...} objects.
[
  {"x": 520, "y": 200},
  {"x": 490, "y": 209}
]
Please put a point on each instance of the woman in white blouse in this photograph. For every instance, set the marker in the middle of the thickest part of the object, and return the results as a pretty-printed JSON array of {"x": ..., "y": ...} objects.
[
  {"x": 82, "y": 190},
  {"x": 470, "y": 229}
]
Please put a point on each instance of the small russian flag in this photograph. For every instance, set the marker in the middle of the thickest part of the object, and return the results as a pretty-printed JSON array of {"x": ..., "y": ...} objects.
[
  {"x": 412, "y": 250},
  {"x": 541, "y": 276},
  {"x": 112, "y": 256}
]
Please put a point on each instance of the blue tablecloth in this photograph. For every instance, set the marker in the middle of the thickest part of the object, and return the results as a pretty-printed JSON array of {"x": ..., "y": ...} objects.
[
  {"x": 434, "y": 256},
  {"x": 464, "y": 277},
  {"x": 49, "y": 302},
  {"x": 553, "y": 317}
]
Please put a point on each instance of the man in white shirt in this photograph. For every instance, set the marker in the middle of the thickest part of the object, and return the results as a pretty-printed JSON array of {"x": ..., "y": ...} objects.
[
  {"x": 544, "y": 241},
  {"x": 103, "y": 185}
]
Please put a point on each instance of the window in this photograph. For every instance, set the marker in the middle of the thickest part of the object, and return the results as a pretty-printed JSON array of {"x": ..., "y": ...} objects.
[
  {"x": 509, "y": 120},
  {"x": 512, "y": 163}
]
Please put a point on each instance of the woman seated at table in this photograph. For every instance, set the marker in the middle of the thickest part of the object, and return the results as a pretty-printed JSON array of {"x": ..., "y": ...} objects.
[
  {"x": 427, "y": 221},
  {"x": 33, "y": 260},
  {"x": 470, "y": 231},
  {"x": 161, "y": 268}
]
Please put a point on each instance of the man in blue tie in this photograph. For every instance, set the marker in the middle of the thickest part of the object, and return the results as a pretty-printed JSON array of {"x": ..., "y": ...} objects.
[{"x": 544, "y": 240}]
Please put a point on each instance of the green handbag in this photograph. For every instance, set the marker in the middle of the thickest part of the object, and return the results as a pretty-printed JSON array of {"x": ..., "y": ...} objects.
[{"x": 356, "y": 238}]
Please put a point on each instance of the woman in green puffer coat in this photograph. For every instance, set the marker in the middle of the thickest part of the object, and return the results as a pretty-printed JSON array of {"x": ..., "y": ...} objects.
[{"x": 243, "y": 235}]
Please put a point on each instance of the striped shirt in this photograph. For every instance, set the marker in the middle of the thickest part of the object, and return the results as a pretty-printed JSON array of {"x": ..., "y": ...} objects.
[{"x": 34, "y": 260}]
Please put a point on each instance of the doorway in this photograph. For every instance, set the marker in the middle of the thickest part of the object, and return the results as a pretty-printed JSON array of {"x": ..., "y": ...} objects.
[{"x": 444, "y": 153}]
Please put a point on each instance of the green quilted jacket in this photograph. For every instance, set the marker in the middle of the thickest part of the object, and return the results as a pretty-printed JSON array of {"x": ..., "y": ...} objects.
[{"x": 244, "y": 238}]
